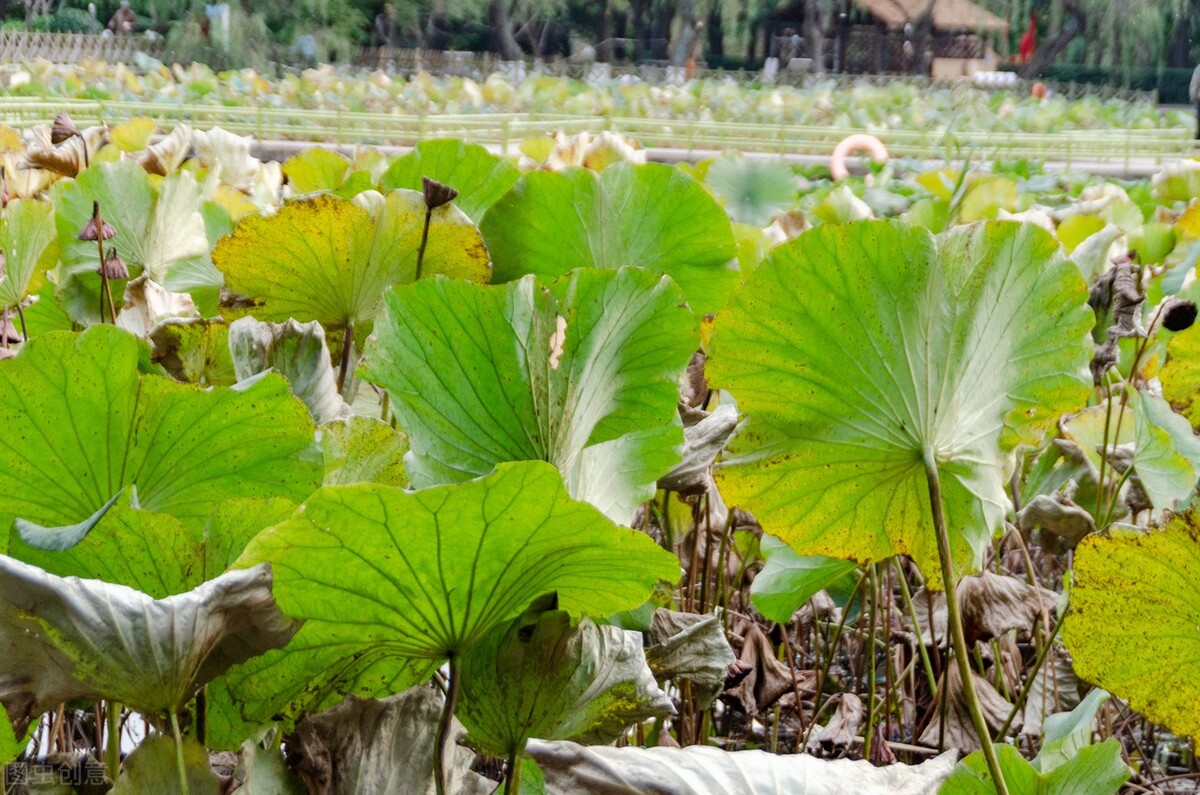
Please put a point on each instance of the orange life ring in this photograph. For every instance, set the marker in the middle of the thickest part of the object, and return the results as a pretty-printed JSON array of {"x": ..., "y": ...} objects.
[{"x": 860, "y": 142}]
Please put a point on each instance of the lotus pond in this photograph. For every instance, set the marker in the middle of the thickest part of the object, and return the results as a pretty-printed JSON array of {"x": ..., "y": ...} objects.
[{"x": 575, "y": 473}]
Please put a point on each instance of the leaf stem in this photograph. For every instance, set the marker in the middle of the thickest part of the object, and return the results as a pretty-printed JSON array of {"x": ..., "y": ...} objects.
[
  {"x": 1030, "y": 677},
  {"x": 347, "y": 352},
  {"x": 957, "y": 638},
  {"x": 112, "y": 738},
  {"x": 824, "y": 672},
  {"x": 180, "y": 765},
  {"x": 439, "y": 750},
  {"x": 512, "y": 784},
  {"x": 24, "y": 328},
  {"x": 872, "y": 714},
  {"x": 424, "y": 240},
  {"x": 911, "y": 609},
  {"x": 107, "y": 289}
]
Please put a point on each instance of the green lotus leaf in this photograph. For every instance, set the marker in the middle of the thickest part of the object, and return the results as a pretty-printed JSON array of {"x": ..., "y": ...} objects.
[
  {"x": 390, "y": 583},
  {"x": 1166, "y": 456},
  {"x": 842, "y": 206},
  {"x": 155, "y": 552},
  {"x": 1180, "y": 376},
  {"x": 1095, "y": 770},
  {"x": 317, "y": 169},
  {"x": 363, "y": 450},
  {"x": 552, "y": 222},
  {"x": 330, "y": 260},
  {"x": 197, "y": 353},
  {"x": 11, "y": 746},
  {"x": 263, "y": 770},
  {"x": 860, "y": 351},
  {"x": 1074, "y": 229},
  {"x": 754, "y": 190},
  {"x": 28, "y": 248},
  {"x": 1133, "y": 614},
  {"x": 541, "y": 677},
  {"x": 789, "y": 580},
  {"x": 985, "y": 198},
  {"x": 479, "y": 176},
  {"x": 1165, "y": 452},
  {"x": 153, "y": 767},
  {"x": 46, "y": 313},
  {"x": 80, "y": 425},
  {"x": 583, "y": 375},
  {"x": 159, "y": 230},
  {"x": 67, "y": 638}
]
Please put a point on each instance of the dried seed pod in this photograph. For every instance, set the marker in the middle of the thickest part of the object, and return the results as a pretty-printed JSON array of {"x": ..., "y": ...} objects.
[
  {"x": 436, "y": 194},
  {"x": 1178, "y": 314},
  {"x": 63, "y": 129},
  {"x": 96, "y": 228},
  {"x": 114, "y": 267}
]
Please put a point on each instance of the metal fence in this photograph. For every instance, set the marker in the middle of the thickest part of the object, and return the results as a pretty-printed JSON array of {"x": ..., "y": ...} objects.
[{"x": 505, "y": 131}]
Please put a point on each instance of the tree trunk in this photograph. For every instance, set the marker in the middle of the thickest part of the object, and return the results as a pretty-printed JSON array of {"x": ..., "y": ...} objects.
[
  {"x": 922, "y": 40},
  {"x": 604, "y": 47},
  {"x": 1073, "y": 25},
  {"x": 716, "y": 32},
  {"x": 637, "y": 17},
  {"x": 660, "y": 32},
  {"x": 503, "y": 40},
  {"x": 814, "y": 34},
  {"x": 1178, "y": 55},
  {"x": 435, "y": 27}
]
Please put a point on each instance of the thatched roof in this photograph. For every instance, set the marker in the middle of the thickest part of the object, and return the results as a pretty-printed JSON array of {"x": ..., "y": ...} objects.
[{"x": 948, "y": 15}]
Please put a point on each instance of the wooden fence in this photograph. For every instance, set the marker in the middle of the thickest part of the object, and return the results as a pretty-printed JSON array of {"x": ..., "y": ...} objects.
[{"x": 18, "y": 46}]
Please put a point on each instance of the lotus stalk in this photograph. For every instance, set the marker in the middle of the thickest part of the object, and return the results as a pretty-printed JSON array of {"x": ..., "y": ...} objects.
[
  {"x": 99, "y": 230},
  {"x": 957, "y": 637},
  {"x": 453, "y": 684}
]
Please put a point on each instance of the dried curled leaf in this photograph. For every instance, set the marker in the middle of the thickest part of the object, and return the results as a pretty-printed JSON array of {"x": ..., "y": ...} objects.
[
  {"x": 67, "y": 638},
  {"x": 700, "y": 770},
  {"x": 169, "y": 153},
  {"x": 383, "y": 747},
  {"x": 959, "y": 730},
  {"x": 1058, "y": 516},
  {"x": 992, "y": 605},
  {"x": 837, "y": 735},
  {"x": 689, "y": 647},
  {"x": 68, "y": 158}
]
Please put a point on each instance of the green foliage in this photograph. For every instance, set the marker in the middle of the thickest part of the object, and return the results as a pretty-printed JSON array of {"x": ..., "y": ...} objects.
[
  {"x": 152, "y": 768},
  {"x": 150, "y": 525},
  {"x": 480, "y": 177},
  {"x": 378, "y": 576},
  {"x": 753, "y": 190},
  {"x": 28, "y": 248},
  {"x": 553, "y": 222},
  {"x": 82, "y": 425},
  {"x": 583, "y": 375},
  {"x": 789, "y": 580},
  {"x": 330, "y": 260},
  {"x": 892, "y": 355},
  {"x": 541, "y": 677}
]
